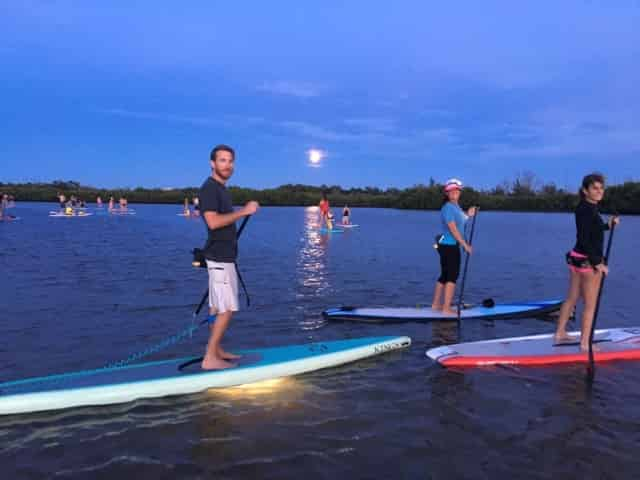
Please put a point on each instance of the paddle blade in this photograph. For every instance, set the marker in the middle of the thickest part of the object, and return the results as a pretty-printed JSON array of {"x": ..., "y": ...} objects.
[{"x": 488, "y": 303}]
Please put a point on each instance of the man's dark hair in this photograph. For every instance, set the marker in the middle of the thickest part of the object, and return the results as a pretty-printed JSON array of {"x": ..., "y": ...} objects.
[
  {"x": 589, "y": 180},
  {"x": 222, "y": 148}
]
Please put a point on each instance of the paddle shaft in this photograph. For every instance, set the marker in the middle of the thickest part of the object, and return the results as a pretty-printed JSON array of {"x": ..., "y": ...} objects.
[
  {"x": 206, "y": 293},
  {"x": 466, "y": 266},
  {"x": 597, "y": 309}
]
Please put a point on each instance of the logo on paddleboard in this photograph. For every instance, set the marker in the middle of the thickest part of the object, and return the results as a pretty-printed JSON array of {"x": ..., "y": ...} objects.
[{"x": 386, "y": 347}]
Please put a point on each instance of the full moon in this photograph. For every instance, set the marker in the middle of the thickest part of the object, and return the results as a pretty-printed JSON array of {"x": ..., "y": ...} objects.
[{"x": 315, "y": 156}]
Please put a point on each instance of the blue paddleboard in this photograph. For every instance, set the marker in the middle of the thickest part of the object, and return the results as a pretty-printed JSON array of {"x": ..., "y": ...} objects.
[{"x": 182, "y": 375}]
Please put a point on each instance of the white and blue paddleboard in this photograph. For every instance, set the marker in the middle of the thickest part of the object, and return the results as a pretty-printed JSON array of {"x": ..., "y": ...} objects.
[
  {"x": 183, "y": 375},
  {"x": 122, "y": 212},
  {"x": 330, "y": 230},
  {"x": 427, "y": 314},
  {"x": 55, "y": 214}
]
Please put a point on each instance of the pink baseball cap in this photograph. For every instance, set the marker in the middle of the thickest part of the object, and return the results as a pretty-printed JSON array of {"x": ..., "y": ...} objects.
[{"x": 452, "y": 184}]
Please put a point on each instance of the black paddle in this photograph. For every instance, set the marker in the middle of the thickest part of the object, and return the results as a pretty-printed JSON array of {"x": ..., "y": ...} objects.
[
  {"x": 206, "y": 293},
  {"x": 591, "y": 369},
  {"x": 464, "y": 273}
]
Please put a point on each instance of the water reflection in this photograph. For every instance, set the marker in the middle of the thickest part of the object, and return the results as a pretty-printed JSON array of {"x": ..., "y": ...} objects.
[
  {"x": 311, "y": 267},
  {"x": 276, "y": 387},
  {"x": 444, "y": 333}
]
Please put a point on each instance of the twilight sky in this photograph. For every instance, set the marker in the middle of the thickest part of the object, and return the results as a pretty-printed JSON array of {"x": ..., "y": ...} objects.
[{"x": 137, "y": 93}]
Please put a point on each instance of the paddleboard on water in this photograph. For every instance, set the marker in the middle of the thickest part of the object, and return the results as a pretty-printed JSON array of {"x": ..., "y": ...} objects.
[
  {"x": 330, "y": 230},
  {"x": 75, "y": 214},
  {"x": 122, "y": 212},
  {"x": 611, "y": 344},
  {"x": 9, "y": 219},
  {"x": 342, "y": 225},
  {"x": 427, "y": 314},
  {"x": 183, "y": 375}
]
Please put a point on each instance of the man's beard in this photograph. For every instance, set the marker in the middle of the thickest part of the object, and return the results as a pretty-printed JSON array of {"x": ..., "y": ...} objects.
[{"x": 223, "y": 175}]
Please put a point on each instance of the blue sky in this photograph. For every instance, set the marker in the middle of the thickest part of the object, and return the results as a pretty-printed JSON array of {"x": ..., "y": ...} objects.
[{"x": 137, "y": 93}]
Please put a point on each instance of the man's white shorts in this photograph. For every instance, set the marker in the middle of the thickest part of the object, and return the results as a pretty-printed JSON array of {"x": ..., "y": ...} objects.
[{"x": 223, "y": 286}]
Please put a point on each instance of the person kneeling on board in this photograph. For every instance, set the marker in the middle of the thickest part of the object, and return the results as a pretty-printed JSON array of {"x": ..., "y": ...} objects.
[
  {"x": 346, "y": 213},
  {"x": 448, "y": 245},
  {"x": 221, "y": 251},
  {"x": 586, "y": 261}
]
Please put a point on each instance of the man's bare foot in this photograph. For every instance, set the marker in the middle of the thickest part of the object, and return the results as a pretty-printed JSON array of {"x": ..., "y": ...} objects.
[
  {"x": 216, "y": 364},
  {"x": 228, "y": 356},
  {"x": 436, "y": 307},
  {"x": 448, "y": 311}
]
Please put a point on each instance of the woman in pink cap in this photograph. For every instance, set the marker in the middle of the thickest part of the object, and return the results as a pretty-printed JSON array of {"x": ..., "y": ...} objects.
[{"x": 448, "y": 245}]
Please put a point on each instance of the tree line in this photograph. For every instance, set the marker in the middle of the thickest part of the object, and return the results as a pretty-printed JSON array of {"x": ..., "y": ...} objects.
[{"x": 525, "y": 193}]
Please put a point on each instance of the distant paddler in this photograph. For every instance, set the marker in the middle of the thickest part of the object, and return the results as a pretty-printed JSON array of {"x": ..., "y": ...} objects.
[
  {"x": 330, "y": 220},
  {"x": 185, "y": 210},
  {"x": 62, "y": 200},
  {"x": 196, "y": 206},
  {"x": 99, "y": 201},
  {"x": 4, "y": 204},
  {"x": 112, "y": 202},
  {"x": 346, "y": 214},
  {"x": 325, "y": 211}
]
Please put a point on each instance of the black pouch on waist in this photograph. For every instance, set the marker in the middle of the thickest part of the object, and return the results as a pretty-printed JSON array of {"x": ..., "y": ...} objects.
[
  {"x": 436, "y": 241},
  {"x": 199, "y": 259}
]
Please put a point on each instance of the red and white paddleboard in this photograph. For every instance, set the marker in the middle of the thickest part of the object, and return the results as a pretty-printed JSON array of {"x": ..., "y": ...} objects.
[{"x": 609, "y": 344}]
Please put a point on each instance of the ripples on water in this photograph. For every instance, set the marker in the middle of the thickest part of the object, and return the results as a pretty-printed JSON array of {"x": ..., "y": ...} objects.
[{"x": 78, "y": 293}]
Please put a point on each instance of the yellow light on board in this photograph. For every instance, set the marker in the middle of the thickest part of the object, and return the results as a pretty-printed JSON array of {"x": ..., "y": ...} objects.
[{"x": 264, "y": 387}]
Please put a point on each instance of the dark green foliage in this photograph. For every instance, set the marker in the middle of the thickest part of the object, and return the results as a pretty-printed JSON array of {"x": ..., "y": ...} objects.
[{"x": 521, "y": 195}]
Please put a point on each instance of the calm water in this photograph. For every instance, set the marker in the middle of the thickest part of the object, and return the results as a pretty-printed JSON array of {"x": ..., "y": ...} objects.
[{"x": 78, "y": 293}]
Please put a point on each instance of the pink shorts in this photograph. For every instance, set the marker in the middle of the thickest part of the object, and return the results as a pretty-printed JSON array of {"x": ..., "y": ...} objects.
[{"x": 580, "y": 256}]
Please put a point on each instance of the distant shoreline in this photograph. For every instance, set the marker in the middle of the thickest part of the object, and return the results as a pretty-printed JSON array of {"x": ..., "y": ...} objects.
[
  {"x": 518, "y": 197},
  {"x": 334, "y": 207}
]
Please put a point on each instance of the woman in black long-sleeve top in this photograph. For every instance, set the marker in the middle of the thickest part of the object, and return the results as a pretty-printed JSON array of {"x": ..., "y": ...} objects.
[{"x": 586, "y": 261}]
